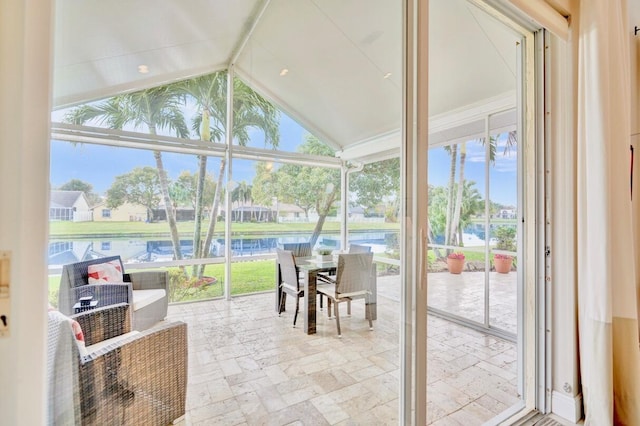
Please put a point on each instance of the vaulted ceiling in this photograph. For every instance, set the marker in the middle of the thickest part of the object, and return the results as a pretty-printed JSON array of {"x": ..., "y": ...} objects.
[{"x": 343, "y": 60}]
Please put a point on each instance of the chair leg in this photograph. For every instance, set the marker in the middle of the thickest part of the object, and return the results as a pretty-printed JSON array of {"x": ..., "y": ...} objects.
[
  {"x": 369, "y": 315},
  {"x": 283, "y": 299},
  {"x": 295, "y": 317},
  {"x": 336, "y": 304},
  {"x": 349, "y": 307},
  {"x": 321, "y": 301},
  {"x": 328, "y": 307}
]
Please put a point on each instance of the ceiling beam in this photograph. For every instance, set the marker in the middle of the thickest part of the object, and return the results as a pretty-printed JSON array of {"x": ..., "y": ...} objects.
[{"x": 244, "y": 39}]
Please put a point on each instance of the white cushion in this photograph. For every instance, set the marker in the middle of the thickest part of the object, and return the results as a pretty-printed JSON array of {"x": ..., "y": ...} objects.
[
  {"x": 101, "y": 345},
  {"x": 142, "y": 298}
]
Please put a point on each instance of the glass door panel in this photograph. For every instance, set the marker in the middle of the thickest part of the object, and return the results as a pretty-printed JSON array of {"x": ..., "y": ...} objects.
[
  {"x": 457, "y": 236},
  {"x": 503, "y": 279}
]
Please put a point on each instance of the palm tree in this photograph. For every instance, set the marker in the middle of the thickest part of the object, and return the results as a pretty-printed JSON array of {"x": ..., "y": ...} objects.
[
  {"x": 452, "y": 228},
  {"x": 458, "y": 206},
  {"x": 250, "y": 110},
  {"x": 472, "y": 203},
  {"x": 453, "y": 152},
  {"x": 209, "y": 94},
  {"x": 179, "y": 194},
  {"x": 244, "y": 196},
  {"x": 156, "y": 108}
]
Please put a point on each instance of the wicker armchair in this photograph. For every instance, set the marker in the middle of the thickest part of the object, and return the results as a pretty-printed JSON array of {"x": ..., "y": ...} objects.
[
  {"x": 146, "y": 291},
  {"x": 133, "y": 379}
]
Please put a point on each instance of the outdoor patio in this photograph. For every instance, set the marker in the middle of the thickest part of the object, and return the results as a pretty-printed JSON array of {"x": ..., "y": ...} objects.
[{"x": 247, "y": 365}]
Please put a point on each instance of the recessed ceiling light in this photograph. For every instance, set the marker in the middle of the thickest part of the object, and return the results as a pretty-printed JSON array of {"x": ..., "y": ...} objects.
[
  {"x": 283, "y": 72},
  {"x": 387, "y": 75},
  {"x": 143, "y": 69}
]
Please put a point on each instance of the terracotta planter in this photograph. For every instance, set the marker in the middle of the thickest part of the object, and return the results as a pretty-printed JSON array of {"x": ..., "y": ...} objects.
[
  {"x": 455, "y": 265},
  {"x": 503, "y": 266}
]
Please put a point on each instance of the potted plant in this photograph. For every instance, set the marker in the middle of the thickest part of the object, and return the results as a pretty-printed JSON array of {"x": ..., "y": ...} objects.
[
  {"x": 325, "y": 254},
  {"x": 505, "y": 240},
  {"x": 502, "y": 263},
  {"x": 455, "y": 262}
]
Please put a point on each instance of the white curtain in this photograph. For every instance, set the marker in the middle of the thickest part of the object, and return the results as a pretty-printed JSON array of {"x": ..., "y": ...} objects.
[{"x": 607, "y": 304}]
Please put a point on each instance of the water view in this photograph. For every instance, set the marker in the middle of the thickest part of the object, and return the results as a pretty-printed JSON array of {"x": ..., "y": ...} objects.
[{"x": 153, "y": 249}]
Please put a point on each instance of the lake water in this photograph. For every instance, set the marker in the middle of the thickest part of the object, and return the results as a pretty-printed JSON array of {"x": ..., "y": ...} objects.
[{"x": 134, "y": 250}]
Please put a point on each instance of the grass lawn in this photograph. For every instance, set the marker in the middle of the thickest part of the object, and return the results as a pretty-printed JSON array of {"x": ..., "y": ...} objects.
[
  {"x": 92, "y": 229},
  {"x": 246, "y": 277}
]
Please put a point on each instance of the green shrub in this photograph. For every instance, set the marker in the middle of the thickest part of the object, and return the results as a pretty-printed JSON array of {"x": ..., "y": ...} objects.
[{"x": 505, "y": 238}]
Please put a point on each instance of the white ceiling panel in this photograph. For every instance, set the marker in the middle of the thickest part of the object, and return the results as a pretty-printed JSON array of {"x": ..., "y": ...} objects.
[
  {"x": 337, "y": 53},
  {"x": 100, "y": 44},
  {"x": 335, "y": 84}
]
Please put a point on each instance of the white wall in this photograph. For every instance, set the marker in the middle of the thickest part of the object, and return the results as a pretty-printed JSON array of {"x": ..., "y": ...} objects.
[
  {"x": 24, "y": 170},
  {"x": 634, "y": 20}
]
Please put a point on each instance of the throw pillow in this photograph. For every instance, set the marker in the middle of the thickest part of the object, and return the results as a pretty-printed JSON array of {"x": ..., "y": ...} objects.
[
  {"x": 79, "y": 335},
  {"x": 108, "y": 272},
  {"x": 75, "y": 327}
]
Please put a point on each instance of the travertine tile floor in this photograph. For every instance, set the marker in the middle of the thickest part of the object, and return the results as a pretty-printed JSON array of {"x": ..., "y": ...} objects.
[{"x": 249, "y": 366}]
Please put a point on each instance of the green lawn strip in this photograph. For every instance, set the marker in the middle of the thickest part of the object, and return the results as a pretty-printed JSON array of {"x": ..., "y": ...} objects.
[
  {"x": 469, "y": 254},
  {"x": 91, "y": 229},
  {"x": 247, "y": 277}
]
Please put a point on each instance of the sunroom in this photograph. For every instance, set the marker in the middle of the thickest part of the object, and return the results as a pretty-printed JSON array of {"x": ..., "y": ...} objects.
[
  {"x": 330, "y": 78},
  {"x": 335, "y": 103}
]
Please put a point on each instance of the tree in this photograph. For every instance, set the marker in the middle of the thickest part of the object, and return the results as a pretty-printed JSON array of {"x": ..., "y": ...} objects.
[
  {"x": 78, "y": 185},
  {"x": 140, "y": 186},
  {"x": 263, "y": 188},
  {"x": 505, "y": 238},
  {"x": 180, "y": 195},
  {"x": 376, "y": 183},
  {"x": 453, "y": 152},
  {"x": 189, "y": 183},
  {"x": 310, "y": 187},
  {"x": 242, "y": 196},
  {"x": 153, "y": 109},
  {"x": 455, "y": 226},
  {"x": 472, "y": 204},
  {"x": 437, "y": 196},
  {"x": 437, "y": 214},
  {"x": 250, "y": 110},
  {"x": 453, "y": 230}
]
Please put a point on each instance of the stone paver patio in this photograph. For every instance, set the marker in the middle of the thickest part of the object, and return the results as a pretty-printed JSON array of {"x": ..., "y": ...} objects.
[{"x": 249, "y": 366}]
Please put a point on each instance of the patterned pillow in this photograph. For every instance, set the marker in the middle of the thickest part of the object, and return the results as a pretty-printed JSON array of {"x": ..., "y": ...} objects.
[
  {"x": 75, "y": 327},
  {"x": 77, "y": 331},
  {"x": 102, "y": 273}
]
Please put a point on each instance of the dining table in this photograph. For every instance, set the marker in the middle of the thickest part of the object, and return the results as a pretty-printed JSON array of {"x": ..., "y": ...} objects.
[{"x": 309, "y": 267}]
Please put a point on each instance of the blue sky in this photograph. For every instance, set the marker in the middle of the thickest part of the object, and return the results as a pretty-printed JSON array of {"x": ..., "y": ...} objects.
[
  {"x": 502, "y": 174},
  {"x": 98, "y": 165}
]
